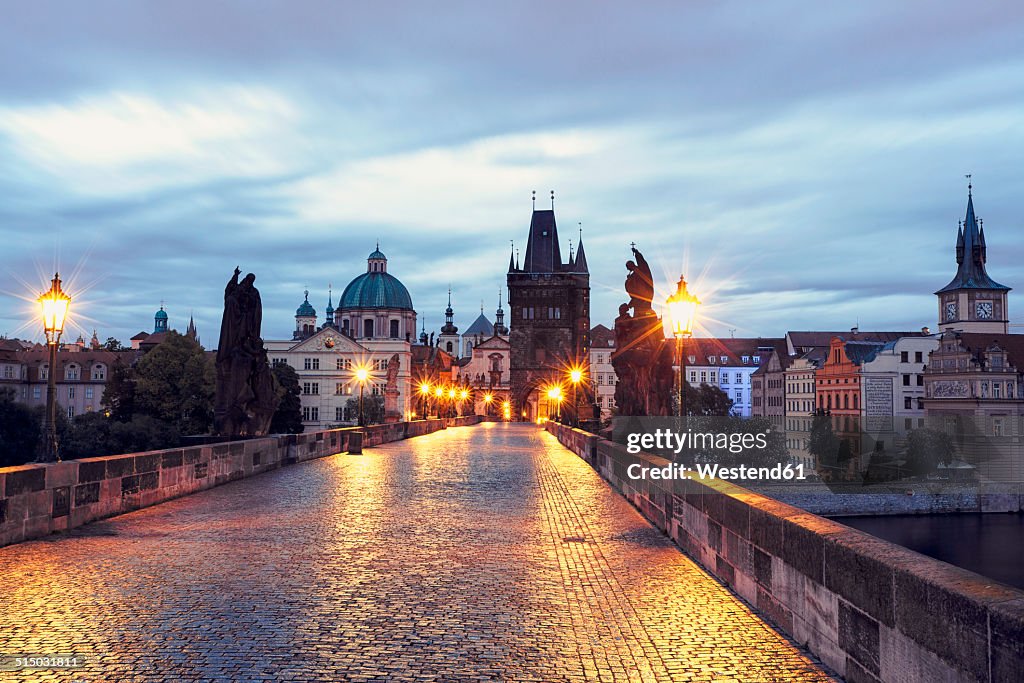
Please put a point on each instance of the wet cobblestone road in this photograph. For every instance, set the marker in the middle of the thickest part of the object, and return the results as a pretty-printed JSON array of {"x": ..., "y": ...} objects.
[{"x": 485, "y": 553}]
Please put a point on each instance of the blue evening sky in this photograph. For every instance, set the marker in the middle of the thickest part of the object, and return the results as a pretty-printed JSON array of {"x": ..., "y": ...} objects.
[{"x": 803, "y": 162}]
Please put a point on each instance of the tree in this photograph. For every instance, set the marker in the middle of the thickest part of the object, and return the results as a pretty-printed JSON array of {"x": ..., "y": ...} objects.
[
  {"x": 288, "y": 417},
  {"x": 112, "y": 344},
  {"x": 373, "y": 408},
  {"x": 706, "y": 400},
  {"x": 20, "y": 430},
  {"x": 823, "y": 443},
  {"x": 119, "y": 394},
  {"x": 95, "y": 434},
  {"x": 926, "y": 448},
  {"x": 174, "y": 383}
]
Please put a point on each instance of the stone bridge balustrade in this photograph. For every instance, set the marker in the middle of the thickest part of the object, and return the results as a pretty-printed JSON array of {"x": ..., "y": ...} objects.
[
  {"x": 870, "y": 609},
  {"x": 40, "y": 498}
]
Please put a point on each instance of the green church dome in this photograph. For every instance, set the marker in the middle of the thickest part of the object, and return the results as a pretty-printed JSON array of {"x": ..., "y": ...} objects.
[
  {"x": 376, "y": 290},
  {"x": 305, "y": 309}
]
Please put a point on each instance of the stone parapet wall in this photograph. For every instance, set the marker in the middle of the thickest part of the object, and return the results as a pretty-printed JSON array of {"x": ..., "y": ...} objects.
[
  {"x": 870, "y": 609},
  {"x": 39, "y": 499}
]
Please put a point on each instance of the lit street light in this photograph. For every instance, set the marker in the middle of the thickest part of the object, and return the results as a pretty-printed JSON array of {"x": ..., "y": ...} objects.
[
  {"x": 425, "y": 398},
  {"x": 575, "y": 376},
  {"x": 362, "y": 374},
  {"x": 555, "y": 394},
  {"x": 682, "y": 309},
  {"x": 54, "y": 304}
]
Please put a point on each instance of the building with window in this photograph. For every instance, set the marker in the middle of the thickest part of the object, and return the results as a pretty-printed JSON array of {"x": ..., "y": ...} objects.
[
  {"x": 549, "y": 304},
  {"x": 374, "y": 321},
  {"x": 81, "y": 375},
  {"x": 602, "y": 374},
  {"x": 727, "y": 364}
]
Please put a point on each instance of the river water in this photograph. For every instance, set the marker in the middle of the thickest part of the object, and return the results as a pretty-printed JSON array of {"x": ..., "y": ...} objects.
[{"x": 989, "y": 544}]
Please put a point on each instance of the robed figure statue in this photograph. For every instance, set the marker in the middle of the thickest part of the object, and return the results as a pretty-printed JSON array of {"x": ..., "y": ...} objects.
[
  {"x": 642, "y": 360},
  {"x": 247, "y": 394}
]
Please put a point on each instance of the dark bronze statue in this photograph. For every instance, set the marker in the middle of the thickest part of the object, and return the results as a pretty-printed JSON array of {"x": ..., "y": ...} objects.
[
  {"x": 247, "y": 394},
  {"x": 639, "y": 285},
  {"x": 642, "y": 359}
]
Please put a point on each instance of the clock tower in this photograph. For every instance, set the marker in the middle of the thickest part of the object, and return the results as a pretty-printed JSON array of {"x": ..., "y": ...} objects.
[{"x": 972, "y": 301}]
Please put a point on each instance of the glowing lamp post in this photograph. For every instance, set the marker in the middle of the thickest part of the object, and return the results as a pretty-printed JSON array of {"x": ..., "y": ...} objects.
[
  {"x": 507, "y": 409},
  {"x": 488, "y": 398},
  {"x": 575, "y": 376},
  {"x": 463, "y": 395},
  {"x": 362, "y": 374},
  {"x": 425, "y": 398},
  {"x": 54, "y": 305},
  {"x": 682, "y": 311},
  {"x": 555, "y": 394}
]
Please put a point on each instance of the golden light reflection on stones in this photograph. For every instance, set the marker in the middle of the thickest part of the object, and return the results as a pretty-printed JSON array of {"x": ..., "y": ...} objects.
[{"x": 478, "y": 553}]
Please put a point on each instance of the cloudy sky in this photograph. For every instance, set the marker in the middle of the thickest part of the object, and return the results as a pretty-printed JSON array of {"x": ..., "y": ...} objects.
[{"x": 802, "y": 162}]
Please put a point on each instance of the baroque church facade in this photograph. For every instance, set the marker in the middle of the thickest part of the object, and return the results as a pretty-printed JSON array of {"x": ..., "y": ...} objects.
[{"x": 375, "y": 321}]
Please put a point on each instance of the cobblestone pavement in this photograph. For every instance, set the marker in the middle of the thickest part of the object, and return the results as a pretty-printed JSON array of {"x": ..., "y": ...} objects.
[{"x": 485, "y": 553}]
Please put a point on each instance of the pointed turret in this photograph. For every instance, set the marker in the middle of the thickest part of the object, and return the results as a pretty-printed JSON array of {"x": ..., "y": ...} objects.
[
  {"x": 191, "y": 331},
  {"x": 330, "y": 308},
  {"x": 580, "y": 264},
  {"x": 499, "y": 318},
  {"x": 971, "y": 255},
  {"x": 543, "y": 254},
  {"x": 449, "y": 315},
  {"x": 511, "y": 260}
]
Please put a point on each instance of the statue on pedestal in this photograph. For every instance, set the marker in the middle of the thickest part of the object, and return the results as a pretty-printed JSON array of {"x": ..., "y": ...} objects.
[
  {"x": 642, "y": 360},
  {"x": 391, "y": 411},
  {"x": 246, "y": 395}
]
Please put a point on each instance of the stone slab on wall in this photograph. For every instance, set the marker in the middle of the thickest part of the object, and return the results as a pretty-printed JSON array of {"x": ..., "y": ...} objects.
[
  {"x": 41, "y": 498},
  {"x": 870, "y": 609}
]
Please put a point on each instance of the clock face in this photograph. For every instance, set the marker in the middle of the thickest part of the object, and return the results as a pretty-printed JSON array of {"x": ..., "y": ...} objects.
[
  {"x": 951, "y": 311},
  {"x": 983, "y": 309}
]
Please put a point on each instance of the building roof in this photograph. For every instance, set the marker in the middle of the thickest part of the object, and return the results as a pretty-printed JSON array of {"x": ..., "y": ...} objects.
[
  {"x": 978, "y": 342},
  {"x": 734, "y": 350},
  {"x": 375, "y": 290},
  {"x": 601, "y": 337},
  {"x": 480, "y": 326},
  {"x": 86, "y": 358},
  {"x": 971, "y": 255},
  {"x": 140, "y": 336},
  {"x": 860, "y": 351},
  {"x": 542, "y": 251},
  {"x": 305, "y": 309},
  {"x": 801, "y": 341}
]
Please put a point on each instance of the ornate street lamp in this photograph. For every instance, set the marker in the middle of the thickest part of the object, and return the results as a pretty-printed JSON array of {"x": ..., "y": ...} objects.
[
  {"x": 488, "y": 398},
  {"x": 54, "y": 304},
  {"x": 425, "y": 398},
  {"x": 555, "y": 394},
  {"x": 362, "y": 374},
  {"x": 575, "y": 376},
  {"x": 682, "y": 310}
]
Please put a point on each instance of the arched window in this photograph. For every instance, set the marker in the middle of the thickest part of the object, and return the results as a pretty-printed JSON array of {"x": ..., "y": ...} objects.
[
  {"x": 448, "y": 347},
  {"x": 846, "y": 401},
  {"x": 71, "y": 371}
]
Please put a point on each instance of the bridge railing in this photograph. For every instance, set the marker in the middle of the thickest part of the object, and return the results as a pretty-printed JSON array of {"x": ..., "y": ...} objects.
[
  {"x": 870, "y": 609},
  {"x": 40, "y": 498}
]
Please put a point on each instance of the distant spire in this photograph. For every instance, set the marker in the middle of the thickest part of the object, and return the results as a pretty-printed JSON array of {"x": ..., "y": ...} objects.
[
  {"x": 511, "y": 255},
  {"x": 517, "y": 258},
  {"x": 552, "y": 200},
  {"x": 534, "y": 200}
]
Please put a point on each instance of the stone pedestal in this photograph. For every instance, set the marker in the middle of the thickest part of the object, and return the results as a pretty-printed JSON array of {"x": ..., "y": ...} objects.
[{"x": 392, "y": 413}]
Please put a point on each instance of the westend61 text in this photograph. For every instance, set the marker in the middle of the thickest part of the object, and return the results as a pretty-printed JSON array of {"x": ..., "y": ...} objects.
[
  {"x": 710, "y": 471},
  {"x": 669, "y": 440}
]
